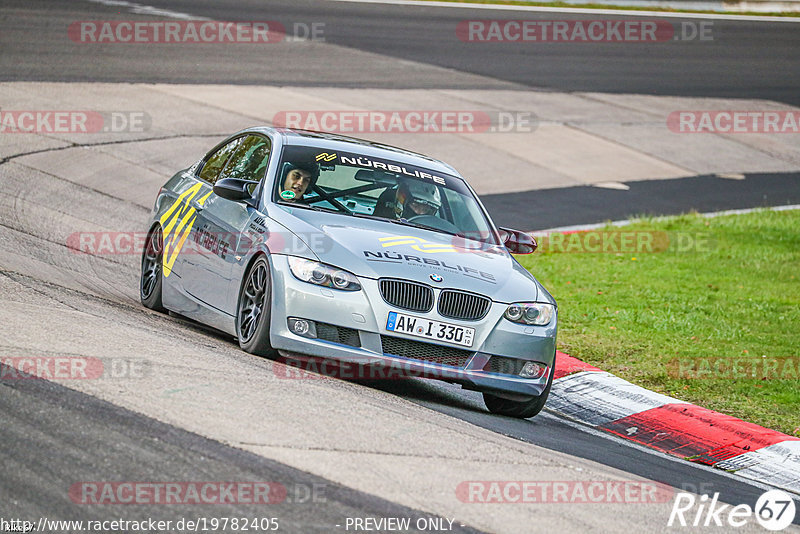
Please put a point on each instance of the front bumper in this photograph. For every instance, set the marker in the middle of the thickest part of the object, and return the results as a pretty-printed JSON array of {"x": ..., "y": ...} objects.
[{"x": 365, "y": 311}]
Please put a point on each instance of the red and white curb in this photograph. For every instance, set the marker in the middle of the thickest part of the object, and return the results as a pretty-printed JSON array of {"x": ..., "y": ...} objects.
[{"x": 601, "y": 400}]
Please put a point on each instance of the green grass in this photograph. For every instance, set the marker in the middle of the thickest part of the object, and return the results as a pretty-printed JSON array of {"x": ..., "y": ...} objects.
[
  {"x": 737, "y": 296},
  {"x": 590, "y": 5}
]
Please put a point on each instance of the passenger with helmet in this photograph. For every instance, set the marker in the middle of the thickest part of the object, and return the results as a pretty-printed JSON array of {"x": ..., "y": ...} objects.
[
  {"x": 411, "y": 198},
  {"x": 298, "y": 178}
]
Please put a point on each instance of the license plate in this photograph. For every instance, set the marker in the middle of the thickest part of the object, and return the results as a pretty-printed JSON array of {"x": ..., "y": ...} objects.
[{"x": 421, "y": 327}]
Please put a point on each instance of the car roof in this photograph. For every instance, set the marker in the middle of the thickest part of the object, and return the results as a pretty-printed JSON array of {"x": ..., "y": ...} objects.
[{"x": 331, "y": 141}]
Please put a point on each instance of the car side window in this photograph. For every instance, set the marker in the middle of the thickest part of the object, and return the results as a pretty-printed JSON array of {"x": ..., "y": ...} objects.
[
  {"x": 216, "y": 162},
  {"x": 250, "y": 160}
]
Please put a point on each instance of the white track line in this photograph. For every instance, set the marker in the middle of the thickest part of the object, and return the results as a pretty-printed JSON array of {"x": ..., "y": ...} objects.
[
  {"x": 710, "y": 215},
  {"x": 579, "y": 10},
  {"x": 141, "y": 9}
]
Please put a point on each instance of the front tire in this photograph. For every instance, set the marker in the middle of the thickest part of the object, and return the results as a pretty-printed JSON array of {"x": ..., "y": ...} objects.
[
  {"x": 254, "y": 310},
  {"x": 151, "y": 280},
  {"x": 520, "y": 409}
]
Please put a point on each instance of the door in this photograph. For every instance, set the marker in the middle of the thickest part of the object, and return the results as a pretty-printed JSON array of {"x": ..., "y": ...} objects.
[{"x": 220, "y": 226}]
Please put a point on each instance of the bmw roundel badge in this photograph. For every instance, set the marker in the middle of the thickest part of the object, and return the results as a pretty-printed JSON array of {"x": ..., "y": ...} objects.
[{"x": 436, "y": 278}]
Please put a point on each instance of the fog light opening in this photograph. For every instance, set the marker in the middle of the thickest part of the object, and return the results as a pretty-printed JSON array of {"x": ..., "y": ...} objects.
[
  {"x": 302, "y": 327},
  {"x": 533, "y": 370}
]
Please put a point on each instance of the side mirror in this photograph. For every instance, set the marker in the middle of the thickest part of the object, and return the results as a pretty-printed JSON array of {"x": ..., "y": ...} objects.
[
  {"x": 235, "y": 189},
  {"x": 517, "y": 242}
]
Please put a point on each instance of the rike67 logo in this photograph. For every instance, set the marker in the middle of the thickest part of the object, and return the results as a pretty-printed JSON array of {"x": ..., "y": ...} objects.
[{"x": 774, "y": 510}]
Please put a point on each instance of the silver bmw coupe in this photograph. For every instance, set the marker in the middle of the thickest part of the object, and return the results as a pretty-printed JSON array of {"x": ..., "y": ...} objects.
[{"x": 314, "y": 244}]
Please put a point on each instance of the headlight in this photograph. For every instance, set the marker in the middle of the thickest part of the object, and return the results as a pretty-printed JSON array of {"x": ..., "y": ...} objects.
[
  {"x": 323, "y": 275},
  {"x": 535, "y": 313}
]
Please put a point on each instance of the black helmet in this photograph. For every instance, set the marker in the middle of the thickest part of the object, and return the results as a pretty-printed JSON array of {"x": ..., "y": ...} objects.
[{"x": 307, "y": 166}]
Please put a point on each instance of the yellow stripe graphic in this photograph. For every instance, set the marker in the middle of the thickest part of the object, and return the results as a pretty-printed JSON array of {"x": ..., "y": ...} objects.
[
  {"x": 190, "y": 214},
  {"x": 184, "y": 216},
  {"x": 393, "y": 243},
  {"x": 416, "y": 243},
  {"x": 400, "y": 237},
  {"x": 192, "y": 191}
]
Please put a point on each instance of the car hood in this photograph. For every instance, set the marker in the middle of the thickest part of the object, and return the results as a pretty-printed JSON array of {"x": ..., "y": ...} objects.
[{"x": 376, "y": 249}]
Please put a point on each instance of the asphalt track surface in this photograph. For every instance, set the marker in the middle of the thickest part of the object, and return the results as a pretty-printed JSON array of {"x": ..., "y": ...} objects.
[
  {"x": 40, "y": 450},
  {"x": 744, "y": 59},
  {"x": 128, "y": 446},
  {"x": 537, "y": 210}
]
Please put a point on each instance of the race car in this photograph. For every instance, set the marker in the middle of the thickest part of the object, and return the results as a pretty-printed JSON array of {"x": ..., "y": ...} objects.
[{"x": 312, "y": 244}]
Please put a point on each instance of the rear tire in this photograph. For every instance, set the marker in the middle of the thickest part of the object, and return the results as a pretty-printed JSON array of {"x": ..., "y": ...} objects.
[
  {"x": 520, "y": 409},
  {"x": 151, "y": 280},
  {"x": 253, "y": 312}
]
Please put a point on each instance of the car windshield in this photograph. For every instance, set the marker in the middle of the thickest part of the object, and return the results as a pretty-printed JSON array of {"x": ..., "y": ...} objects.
[{"x": 365, "y": 186}]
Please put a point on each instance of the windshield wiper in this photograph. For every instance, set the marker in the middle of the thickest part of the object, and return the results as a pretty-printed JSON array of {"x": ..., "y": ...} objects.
[
  {"x": 372, "y": 217},
  {"x": 310, "y": 207},
  {"x": 439, "y": 230},
  {"x": 404, "y": 222},
  {"x": 326, "y": 210},
  {"x": 401, "y": 222}
]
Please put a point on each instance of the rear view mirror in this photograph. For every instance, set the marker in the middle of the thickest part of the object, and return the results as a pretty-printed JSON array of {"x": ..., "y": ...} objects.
[
  {"x": 517, "y": 242},
  {"x": 377, "y": 177}
]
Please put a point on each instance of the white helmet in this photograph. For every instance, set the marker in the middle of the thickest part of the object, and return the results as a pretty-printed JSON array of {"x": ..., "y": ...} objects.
[{"x": 425, "y": 196}]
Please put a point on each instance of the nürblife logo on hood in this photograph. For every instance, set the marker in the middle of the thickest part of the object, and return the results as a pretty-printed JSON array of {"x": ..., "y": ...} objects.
[{"x": 422, "y": 261}]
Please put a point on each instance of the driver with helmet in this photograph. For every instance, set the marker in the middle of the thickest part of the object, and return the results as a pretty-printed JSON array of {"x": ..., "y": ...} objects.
[
  {"x": 411, "y": 198},
  {"x": 299, "y": 178}
]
